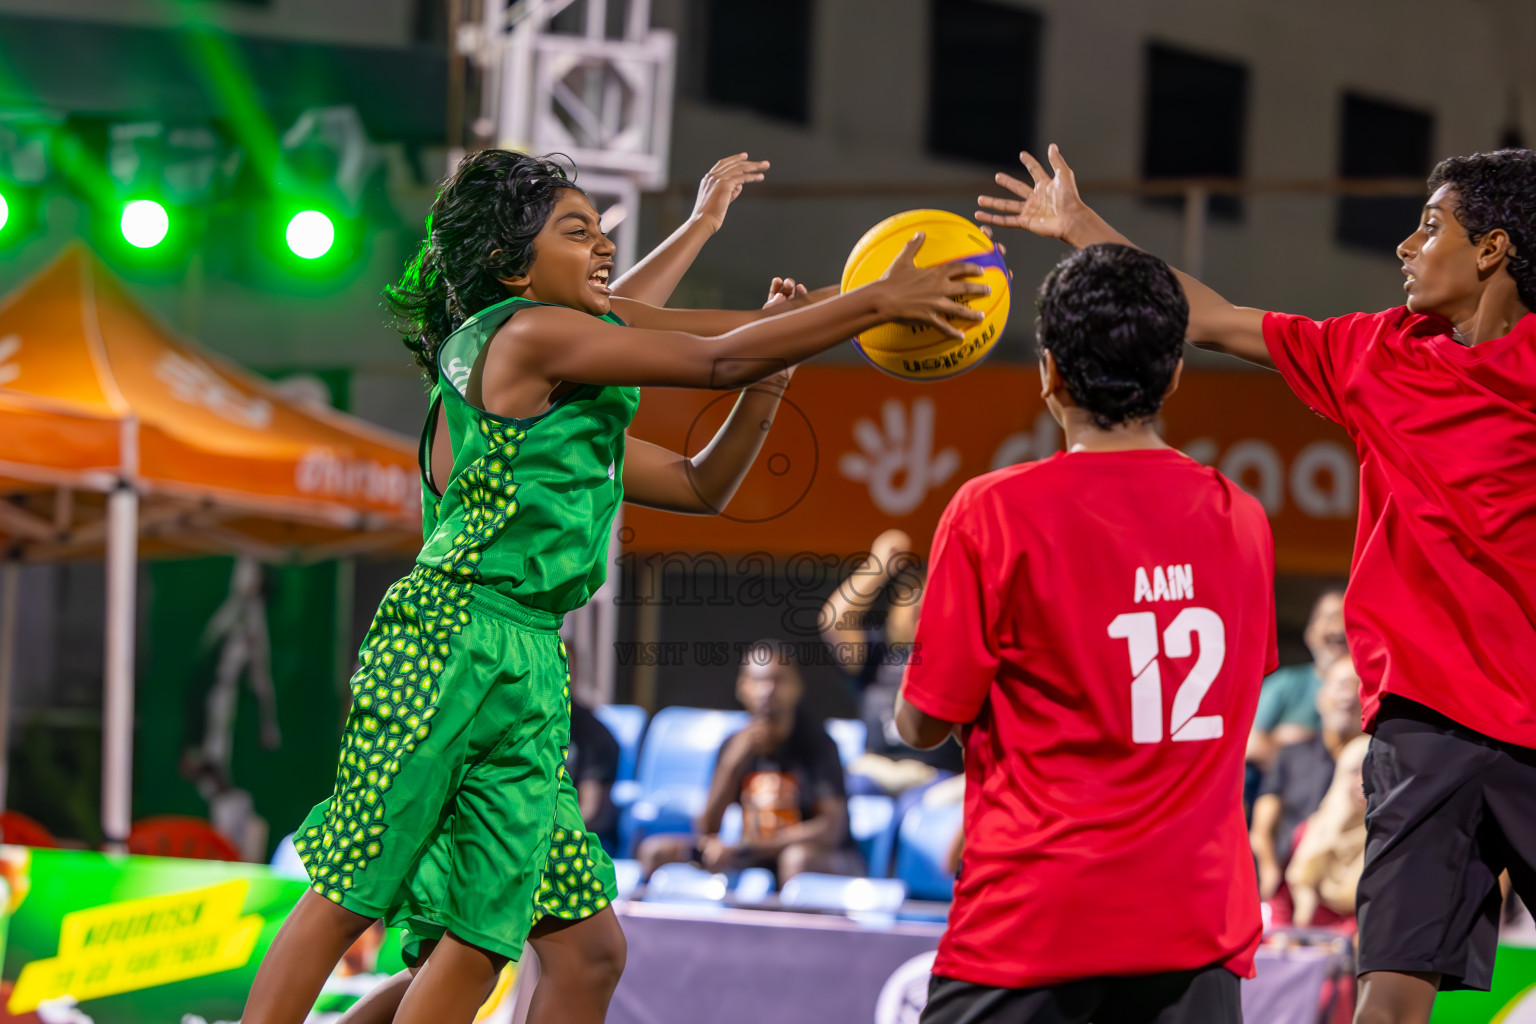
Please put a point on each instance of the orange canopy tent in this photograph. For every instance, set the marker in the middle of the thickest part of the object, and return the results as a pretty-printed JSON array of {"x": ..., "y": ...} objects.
[{"x": 118, "y": 438}]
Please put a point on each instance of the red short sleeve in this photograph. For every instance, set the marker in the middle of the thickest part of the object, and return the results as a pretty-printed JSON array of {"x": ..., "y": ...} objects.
[
  {"x": 1316, "y": 356},
  {"x": 955, "y": 657},
  {"x": 1272, "y": 651}
]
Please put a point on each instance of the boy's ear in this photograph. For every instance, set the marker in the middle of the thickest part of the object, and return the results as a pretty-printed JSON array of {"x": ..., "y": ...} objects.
[
  {"x": 1173, "y": 385},
  {"x": 1049, "y": 381},
  {"x": 1494, "y": 248}
]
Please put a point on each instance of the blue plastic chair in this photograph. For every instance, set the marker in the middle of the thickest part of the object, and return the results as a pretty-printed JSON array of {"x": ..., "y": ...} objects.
[
  {"x": 862, "y": 785},
  {"x": 285, "y": 859},
  {"x": 850, "y": 735},
  {"x": 684, "y": 883},
  {"x": 879, "y": 848},
  {"x": 922, "y": 850},
  {"x": 677, "y": 762},
  {"x": 730, "y": 825},
  {"x": 627, "y": 723},
  {"x": 753, "y": 885},
  {"x": 871, "y": 822},
  {"x": 852, "y": 896},
  {"x": 626, "y": 873}
]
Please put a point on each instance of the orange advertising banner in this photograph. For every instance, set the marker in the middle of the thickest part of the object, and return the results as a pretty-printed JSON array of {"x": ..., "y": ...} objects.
[{"x": 853, "y": 452}]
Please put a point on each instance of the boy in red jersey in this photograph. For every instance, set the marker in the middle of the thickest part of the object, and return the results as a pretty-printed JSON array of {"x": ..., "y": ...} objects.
[
  {"x": 1440, "y": 398},
  {"x": 1099, "y": 623}
]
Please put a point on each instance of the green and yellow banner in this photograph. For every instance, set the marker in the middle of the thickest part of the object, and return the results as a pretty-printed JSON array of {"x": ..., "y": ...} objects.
[
  {"x": 150, "y": 940},
  {"x": 1511, "y": 1000}
]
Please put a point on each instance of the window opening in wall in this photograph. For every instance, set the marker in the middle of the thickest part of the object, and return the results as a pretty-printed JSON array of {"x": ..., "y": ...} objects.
[
  {"x": 758, "y": 56},
  {"x": 1381, "y": 140},
  {"x": 1195, "y": 122},
  {"x": 983, "y": 80}
]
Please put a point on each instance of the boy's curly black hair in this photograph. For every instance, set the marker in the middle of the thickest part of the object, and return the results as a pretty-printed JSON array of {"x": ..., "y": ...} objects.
[
  {"x": 481, "y": 228},
  {"x": 1114, "y": 319},
  {"x": 1497, "y": 190}
]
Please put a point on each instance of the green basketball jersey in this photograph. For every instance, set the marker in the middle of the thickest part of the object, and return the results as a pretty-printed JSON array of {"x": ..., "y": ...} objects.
[{"x": 528, "y": 507}]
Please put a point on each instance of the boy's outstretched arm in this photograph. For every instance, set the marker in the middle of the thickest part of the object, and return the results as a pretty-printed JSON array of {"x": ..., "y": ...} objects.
[
  {"x": 542, "y": 348},
  {"x": 1051, "y": 207},
  {"x": 711, "y": 323},
  {"x": 653, "y": 279}
]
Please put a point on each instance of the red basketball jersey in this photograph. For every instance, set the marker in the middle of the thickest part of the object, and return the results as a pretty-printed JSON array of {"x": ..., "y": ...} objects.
[
  {"x": 1441, "y": 606},
  {"x": 1104, "y": 621}
]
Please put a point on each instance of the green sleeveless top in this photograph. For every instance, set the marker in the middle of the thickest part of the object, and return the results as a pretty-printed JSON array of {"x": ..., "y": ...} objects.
[{"x": 528, "y": 507}]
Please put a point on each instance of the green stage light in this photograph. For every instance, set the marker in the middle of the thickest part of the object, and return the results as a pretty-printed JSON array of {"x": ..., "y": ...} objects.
[
  {"x": 311, "y": 234},
  {"x": 145, "y": 223}
]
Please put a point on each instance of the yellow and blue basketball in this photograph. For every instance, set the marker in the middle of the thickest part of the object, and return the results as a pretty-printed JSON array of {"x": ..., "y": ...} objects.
[{"x": 923, "y": 353}]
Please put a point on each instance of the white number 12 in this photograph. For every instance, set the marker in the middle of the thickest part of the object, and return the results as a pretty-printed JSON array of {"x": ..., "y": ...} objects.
[{"x": 1139, "y": 630}]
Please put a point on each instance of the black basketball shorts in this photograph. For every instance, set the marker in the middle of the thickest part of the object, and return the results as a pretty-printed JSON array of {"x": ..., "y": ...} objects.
[
  {"x": 1448, "y": 810},
  {"x": 1210, "y": 995}
]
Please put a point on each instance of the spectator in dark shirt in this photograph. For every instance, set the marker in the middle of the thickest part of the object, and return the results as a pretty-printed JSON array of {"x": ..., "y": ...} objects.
[
  {"x": 1302, "y": 772},
  {"x": 783, "y": 769},
  {"x": 592, "y": 761},
  {"x": 874, "y": 657}
]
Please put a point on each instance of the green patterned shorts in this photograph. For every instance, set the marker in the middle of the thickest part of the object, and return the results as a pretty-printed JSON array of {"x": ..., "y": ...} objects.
[{"x": 452, "y": 809}]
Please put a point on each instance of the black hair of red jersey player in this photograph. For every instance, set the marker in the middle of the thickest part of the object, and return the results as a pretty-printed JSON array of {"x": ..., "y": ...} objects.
[
  {"x": 1114, "y": 318},
  {"x": 1497, "y": 191}
]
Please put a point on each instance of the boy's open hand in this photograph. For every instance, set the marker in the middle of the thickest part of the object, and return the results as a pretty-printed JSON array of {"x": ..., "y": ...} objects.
[
  {"x": 1050, "y": 207},
  {"x": 723, "y": 184},
  {"x": 925, "y": 296}
]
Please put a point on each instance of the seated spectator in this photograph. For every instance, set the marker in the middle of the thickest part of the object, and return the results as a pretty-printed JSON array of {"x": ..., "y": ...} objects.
[
  {"x": 592, "y": 761},
  {"x": 874, "y": 657},
  {"x": 1326, "y": 867},
  {"x": 1287, "y": 711},
  {"x": 1301, "y": 774},
  {"x": 783, "y": 769}
]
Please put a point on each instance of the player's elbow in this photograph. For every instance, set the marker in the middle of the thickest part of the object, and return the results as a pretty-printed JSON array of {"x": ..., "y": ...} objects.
[
  {"x": 706, "y": 499},
  {"x": 733, "y": 374},
  {"x": 919, "y": 729},
  {"x": 734, "y": 364}
]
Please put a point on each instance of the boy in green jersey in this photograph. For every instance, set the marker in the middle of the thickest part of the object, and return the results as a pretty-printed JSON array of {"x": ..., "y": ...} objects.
[{"x": 452, "y": 815}]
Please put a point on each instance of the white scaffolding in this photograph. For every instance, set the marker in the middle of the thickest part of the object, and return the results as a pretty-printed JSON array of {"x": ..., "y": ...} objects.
[{"x": 590, "y": 79}]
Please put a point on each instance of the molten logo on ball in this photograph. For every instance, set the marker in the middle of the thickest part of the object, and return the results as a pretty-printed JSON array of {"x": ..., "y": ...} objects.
[
  {"x": 955, "y": 359},
  {"x": 922, "y": 352}
]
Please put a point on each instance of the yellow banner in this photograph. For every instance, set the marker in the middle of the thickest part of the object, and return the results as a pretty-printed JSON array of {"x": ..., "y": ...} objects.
[{"x": 135, "y": 944}]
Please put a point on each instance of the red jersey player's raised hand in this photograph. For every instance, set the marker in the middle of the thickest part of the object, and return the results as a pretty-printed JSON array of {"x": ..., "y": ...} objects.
[{"x": 1050, "y": 206}]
